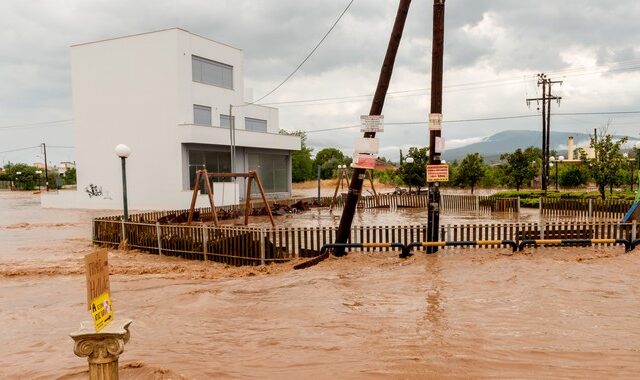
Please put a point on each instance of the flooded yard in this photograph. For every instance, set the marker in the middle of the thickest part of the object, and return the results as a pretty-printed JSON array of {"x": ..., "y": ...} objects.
[{"x": 541, "y": 313}]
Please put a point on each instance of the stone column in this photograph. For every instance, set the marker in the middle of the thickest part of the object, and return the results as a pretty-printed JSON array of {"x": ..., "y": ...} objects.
[{"x": 102, "y": 349}]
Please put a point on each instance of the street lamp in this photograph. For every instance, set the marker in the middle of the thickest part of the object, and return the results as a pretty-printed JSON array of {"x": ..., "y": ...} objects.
[
  {"x": 409, "y": 161},
  {"x": 38, "y": 172},
  {"x": 123, "y": 152}
]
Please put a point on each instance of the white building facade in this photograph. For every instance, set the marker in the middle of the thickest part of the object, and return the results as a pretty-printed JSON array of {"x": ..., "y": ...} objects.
[{"x": 167, "y": 95}]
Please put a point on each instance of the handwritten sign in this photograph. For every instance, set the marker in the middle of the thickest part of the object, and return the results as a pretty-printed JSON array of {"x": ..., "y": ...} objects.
[
  {"x": 438, "y": 173},
  {"x": 101, "y": 311},
  {"x": 97, "y": 272}
]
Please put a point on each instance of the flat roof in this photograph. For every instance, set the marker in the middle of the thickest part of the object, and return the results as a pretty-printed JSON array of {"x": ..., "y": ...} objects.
[{"x": 154, "y": 31}]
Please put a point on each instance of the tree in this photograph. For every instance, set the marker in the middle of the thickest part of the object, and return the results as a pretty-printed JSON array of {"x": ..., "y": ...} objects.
[
  {"x": 415, "y": 174},
  {"x": 520, "y": 166},
  {"x": 328, "y": 159},
  {"x": 608, "y": 161},
  {"x": 27, "y": 179},
  {"x": 69, "y": 177},
  {"x": 573, "y": 176},
  {"x": 301, "y": 162},
  {"x": 470, "y": 171}
]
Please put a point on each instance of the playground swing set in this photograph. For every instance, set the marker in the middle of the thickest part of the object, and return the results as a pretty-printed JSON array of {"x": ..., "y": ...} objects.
[
  {"x": 250, "y": 177},
  {"x": 634, "y": 211},
  {"x": 344, "y": 176}
]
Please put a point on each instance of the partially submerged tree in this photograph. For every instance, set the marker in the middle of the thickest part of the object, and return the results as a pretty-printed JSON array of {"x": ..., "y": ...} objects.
[
  {"x": 604, "y": 168},
  {"x": 520, "y": 167},
  {"x": 470, "y": 171},
  {"x": 415, "y": 174},
  {"x": 301, "y": 162}
]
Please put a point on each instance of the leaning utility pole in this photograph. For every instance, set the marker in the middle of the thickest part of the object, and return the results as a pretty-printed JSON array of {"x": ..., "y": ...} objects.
[
  {"x": 355, "y": 186},
  {"x": 546, "y": 99},
  {"x": 435, "y": 120},
  {"x": 46, "y": 171}
]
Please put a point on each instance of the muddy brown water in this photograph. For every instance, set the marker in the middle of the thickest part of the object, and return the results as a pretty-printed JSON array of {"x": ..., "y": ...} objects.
[{"x": 546, "y": 313}]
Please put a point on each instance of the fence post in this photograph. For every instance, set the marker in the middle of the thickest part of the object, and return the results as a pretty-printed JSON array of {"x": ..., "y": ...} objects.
[
  {"x": 518, "y": 206},
  {"x": 159, "y": 239},
  {"x": 539, "y": 205},
  {"x": 477, "y": 203},
  {"x": 634, "y": 224},
  {"x": 262, "y": 248},
  {"x": 590, "y": 208},
  {"x": 122, "y": 237},
  {"x": 541, "y": 229},
  {"x": 205, "y": 242}
]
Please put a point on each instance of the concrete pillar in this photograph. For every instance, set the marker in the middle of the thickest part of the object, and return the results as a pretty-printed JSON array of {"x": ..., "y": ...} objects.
[{"x": 102, "y": 349}]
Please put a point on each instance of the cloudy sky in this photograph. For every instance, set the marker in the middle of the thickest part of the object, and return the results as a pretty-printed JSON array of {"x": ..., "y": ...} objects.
[{"x": 493, "y": 49}]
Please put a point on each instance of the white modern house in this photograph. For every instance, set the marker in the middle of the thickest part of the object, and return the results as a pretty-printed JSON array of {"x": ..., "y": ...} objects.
[{"x": 167, "y": 95}]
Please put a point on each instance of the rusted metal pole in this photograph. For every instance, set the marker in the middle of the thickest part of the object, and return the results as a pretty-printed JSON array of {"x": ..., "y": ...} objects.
[
  {"x": 355, "y": 186},
  {"x": 435, "y": 119}
]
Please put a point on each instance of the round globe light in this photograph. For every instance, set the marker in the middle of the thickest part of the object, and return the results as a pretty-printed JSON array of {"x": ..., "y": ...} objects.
[
  {"x": 38, "y": 171},
  {"x": 18, "y": 173},
  {"x": 409, "y": 160},
  {"x": 443, "y": 162},
  {"x": 353, "y": 165},
  {"x": 561, "y": 158},
  {"x": 552, "y": 158},
  {"x": 550, "y": 164},
  {"x": 123, "y": 151}
]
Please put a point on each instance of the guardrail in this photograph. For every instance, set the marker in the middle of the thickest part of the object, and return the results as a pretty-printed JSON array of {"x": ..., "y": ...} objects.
[
  {"x": 467, "y": 243},
  {"x": 324, "y": 253},
  {"x": 572, "y": 242}
]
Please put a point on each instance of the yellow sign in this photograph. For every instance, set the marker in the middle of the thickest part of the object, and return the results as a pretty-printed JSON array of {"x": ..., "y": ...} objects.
[
  {"x": 438, "y": 173},
  {"x": 97, "y": 271},
  {"x": 101, "y": 311}
]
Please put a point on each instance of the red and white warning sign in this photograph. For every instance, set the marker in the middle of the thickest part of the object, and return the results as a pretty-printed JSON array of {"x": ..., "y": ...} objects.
[{"x": 364, "y": 161}]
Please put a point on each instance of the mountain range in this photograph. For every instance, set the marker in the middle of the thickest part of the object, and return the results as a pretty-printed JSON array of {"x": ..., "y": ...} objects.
[{"x": 493, "y": 146}]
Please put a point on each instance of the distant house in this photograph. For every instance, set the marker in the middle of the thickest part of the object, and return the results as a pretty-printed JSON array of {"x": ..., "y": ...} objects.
[
  {"x": 66, "y": 165},
  {"x": 167, "y": 95}
]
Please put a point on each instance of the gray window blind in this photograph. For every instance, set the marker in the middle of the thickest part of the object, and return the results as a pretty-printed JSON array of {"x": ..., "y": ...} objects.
[
  {"x": 211, "y": 72},
  {"x": 224, "y": 121},
  {"x": 201, "y": 115},
  {"x": 256, "y": 125}
]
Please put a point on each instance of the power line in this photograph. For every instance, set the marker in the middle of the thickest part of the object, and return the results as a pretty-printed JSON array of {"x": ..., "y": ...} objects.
[
  {"x": 483, "y": 119},
  {"x": 42, "y": 123},
  {"x": 20, "y": 149},
  {"x": 310, "y": 53}
]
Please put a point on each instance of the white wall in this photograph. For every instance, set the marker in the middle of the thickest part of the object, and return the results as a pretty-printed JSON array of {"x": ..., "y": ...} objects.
[{"x": 138, "y": 90}]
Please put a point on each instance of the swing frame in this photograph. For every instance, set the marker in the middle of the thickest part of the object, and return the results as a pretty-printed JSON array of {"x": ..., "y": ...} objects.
[{"x": 250, "y": 176}]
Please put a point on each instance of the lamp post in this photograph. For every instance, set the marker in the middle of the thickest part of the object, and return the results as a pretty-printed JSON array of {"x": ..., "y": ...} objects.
[
  {"x": 123, "y": 152},
  {"x": 626, "y": 157},
  {"x": 17, "y": 174},
  {"x": 38, "y": 172},
  {"x": 409, "y": 161}
]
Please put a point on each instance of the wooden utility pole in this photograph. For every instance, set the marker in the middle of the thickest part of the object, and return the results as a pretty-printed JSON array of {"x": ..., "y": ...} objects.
[
  {"x": 355, "y": 186},
  {"x": 435, "y": 120},
  {"x": 546, "y": 99}
]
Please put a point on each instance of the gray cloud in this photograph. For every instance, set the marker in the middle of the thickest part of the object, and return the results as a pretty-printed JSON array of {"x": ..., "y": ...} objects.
[{"x": 486, "y": 41}]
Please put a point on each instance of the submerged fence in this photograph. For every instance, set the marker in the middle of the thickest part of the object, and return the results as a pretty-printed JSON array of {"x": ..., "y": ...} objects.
[
  {"x": 584, "y": 208},
  {"x": 237, "y": 245},
  {"x": 5, "y": 185}
]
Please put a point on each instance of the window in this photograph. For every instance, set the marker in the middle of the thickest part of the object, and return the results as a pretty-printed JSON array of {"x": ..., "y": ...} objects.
[
  {"x": 211, "y": 72},
  {"x": 201, "y": 115},
  {"x": 272, "y": 170},
  {"x": 213, "y": 161},
  {"x": 224, "y": 121},
  {"x": 256, "y": 125}
]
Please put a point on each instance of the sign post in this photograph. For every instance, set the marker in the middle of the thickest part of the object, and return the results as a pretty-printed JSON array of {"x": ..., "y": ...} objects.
[
  {"x": 100, "y": 340},
  {"x": 98, "y": 288}
]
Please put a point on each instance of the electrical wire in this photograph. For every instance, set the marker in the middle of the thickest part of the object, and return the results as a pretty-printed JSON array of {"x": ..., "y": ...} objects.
[
  {"x": 308, "y": 55},
  {"x": 42, "y": 123},
  {"x": 19, "y": 149},
  {"x": 485, "y": 119}
]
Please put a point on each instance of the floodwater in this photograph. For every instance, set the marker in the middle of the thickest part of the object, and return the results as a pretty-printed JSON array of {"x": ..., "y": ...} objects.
[{"x": 545, "y": 313}]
